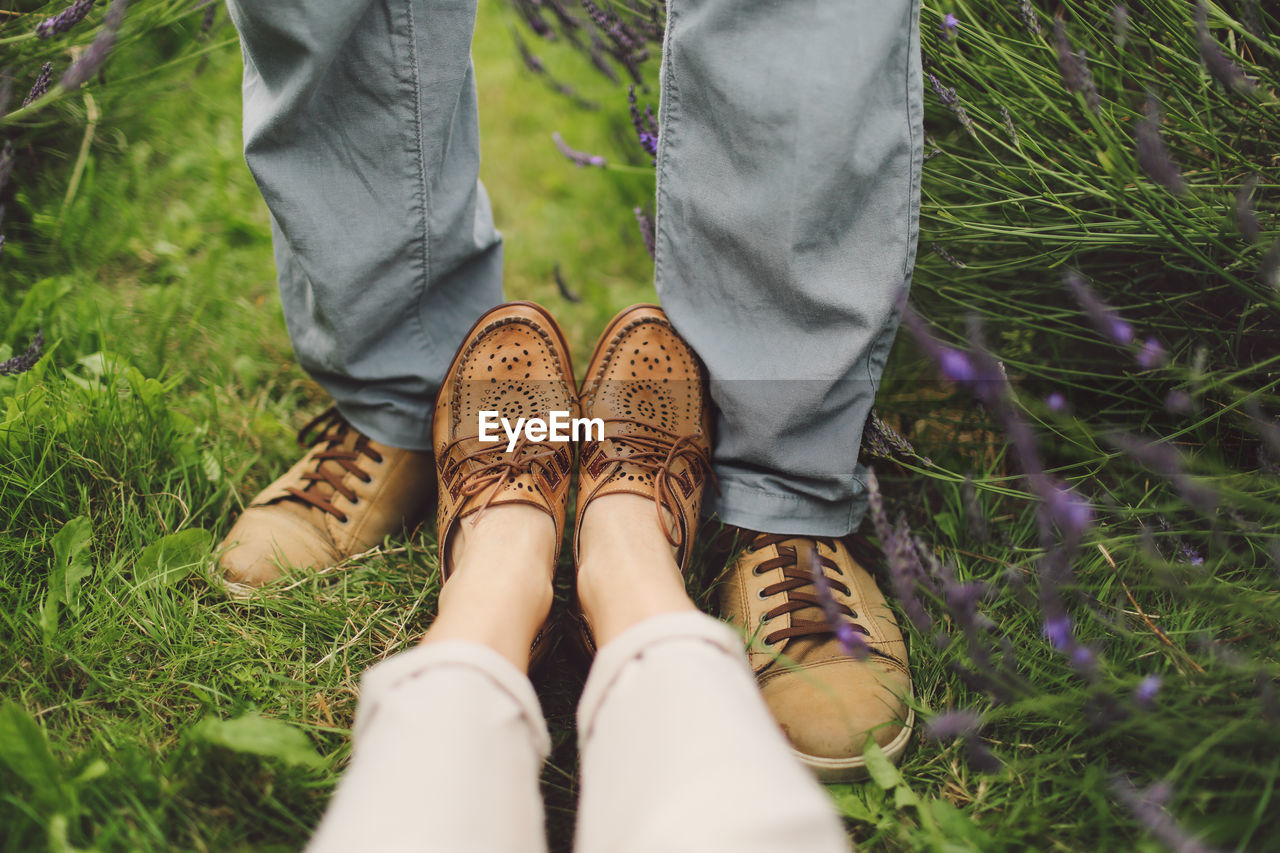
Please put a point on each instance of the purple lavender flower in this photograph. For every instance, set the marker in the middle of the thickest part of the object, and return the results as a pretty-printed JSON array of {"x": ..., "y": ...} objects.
[
  {"x": 646, "y": 126},
  {"x": 27, "y": 360},
  {"x": 931, "y": 148},
  {"x": 1120, "y": 21},
  {"x": 1145, "y": 693},
  {"x": 1030, "y": 18},
  {"x": 1178, "y": 402},
  {"x": 1056, "y": 402},
  {"x": 579, "y": 158},
  {"x": 1082, "y": 658},
  {"x": 532, "y": 62},
  {"x": 64, "y": 20},
  {"x": 1069, "y": 511},
  {"x": 1008, "y": 125},
  {"x": 91, "y": 60},
  {"x": 905, "y": 569},
  {"x": 1192, "y": 556},
  {"x": 1148, "y": 806},
  {"x": 953, "y": 724},
  {"x": 6, "y": 164},
  {"x": 1269, "y": 267},
  {"x": 6, "y": 90},
  {"x": 1103, "y": 317},
  {"x": 1058, "y": 630},
  {"x": 956, "y": 366},
  {"x": 951, "y": 101},
  {"x": 947, "y": 256},
  {"x": 950, "y": 23},
  {"x": 43, "y": 79},
  {"x": 850, "y": 640},
  {"x": 1166, "y": 461},
  {"x": 1151, "y": 354},
  {"x": 884, "y": 441},
  {"x": 1152, "y": 154},
  {"x": 973, "y": 510},
  {"x": 1220, "y": 67},
  {"x": 1074, "y": 67},
  {"x": 647, "y": 232},
  {"x": 1246, "y": 219},
  {"x": 210, "y": 15}
]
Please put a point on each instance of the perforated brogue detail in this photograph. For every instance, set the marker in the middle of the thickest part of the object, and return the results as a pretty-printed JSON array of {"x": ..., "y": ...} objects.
[
  {"x": 648, "y": 388},
  {"x": 514, "y": 363}
]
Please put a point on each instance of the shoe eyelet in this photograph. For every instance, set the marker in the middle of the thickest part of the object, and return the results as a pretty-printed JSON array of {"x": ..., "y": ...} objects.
[
  {"x": 755, "y": 570},
  {"x": 760, "y": 595},
  {"x": 344, "y": 519}
]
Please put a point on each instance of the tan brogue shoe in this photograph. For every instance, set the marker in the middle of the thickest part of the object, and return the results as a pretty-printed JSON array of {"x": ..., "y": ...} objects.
[
  {"x": 648, "y": 388},
  {"x": 344, "y": 496},
  {"x": 514, "y": 365},
  {"x": 827, "y": 695}
]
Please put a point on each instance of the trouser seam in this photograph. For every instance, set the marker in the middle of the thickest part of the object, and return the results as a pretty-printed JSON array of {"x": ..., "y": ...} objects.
[
  {"x": 668, "y": 110},
  {"x": 424, "y": 196}
]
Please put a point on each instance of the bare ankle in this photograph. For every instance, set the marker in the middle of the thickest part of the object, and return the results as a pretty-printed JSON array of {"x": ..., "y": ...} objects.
[{"x": 627, "y": 570}]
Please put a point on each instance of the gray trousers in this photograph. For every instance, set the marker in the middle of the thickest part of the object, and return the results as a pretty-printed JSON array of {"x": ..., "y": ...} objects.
[{"x": 788, "y": 197}]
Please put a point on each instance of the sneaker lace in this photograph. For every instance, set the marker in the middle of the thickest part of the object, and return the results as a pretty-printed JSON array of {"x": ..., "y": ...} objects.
[
  {"x": 658, "y": 453},
  {"x": 333, "y": 463},
  {"x": 800, "y": 589}
]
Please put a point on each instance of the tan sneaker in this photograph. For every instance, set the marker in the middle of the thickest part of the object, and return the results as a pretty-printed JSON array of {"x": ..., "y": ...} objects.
[
  {"x": 345, "y": 496},
  {"x": 826, "y": 700}
]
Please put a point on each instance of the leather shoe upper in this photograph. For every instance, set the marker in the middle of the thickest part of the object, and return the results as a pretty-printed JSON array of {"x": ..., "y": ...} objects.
[{"x": 513, "y": 362}]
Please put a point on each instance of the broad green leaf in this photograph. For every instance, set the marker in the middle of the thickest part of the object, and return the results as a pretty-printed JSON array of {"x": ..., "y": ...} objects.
[
  {"x": 171, "y": 558},
  {"x": 904, "y": 796},
  {"x": 70, "y": 566},
  {"x": 851, "y": 804},
  {"x": 882, "y": 771},
  {"x": 25, "y": 750},
  {"x": 258, "y": 735}
]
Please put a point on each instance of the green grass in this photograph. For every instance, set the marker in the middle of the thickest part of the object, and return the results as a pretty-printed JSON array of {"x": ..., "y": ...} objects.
[{"x": 170, "y": 396}]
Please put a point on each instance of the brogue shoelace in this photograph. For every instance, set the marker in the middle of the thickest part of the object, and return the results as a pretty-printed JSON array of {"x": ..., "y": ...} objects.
[
  {"x": 325, "y": 480},
  {"x": 498, "y": 467},
  {"x": 658, "y": 453},
  {"x": 800, "y": 590}
]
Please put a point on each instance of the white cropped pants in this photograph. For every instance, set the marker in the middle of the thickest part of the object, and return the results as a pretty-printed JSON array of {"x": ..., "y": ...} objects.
[{"x": 678, "y": 752}]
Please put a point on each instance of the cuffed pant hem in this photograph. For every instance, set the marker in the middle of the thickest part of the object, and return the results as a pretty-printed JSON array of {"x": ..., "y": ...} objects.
[
  {"x": 407, "y": 431},
  {"x": 748, "y": 506}
]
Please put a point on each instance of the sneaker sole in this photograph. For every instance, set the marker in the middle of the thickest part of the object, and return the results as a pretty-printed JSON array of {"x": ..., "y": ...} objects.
[{"x": 834, "y": 770}]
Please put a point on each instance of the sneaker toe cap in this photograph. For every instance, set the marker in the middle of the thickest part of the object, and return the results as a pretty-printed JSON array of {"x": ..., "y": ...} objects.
[
  {"x": 262, "y": 544},
  {"x": 827, "y": 711}
]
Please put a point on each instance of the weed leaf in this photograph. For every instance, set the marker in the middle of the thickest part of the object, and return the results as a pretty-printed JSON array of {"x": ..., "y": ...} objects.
[
  {"x": 258, "y": 735},
  {"x": 882, "y": 771},
  {"x": 171, "y": 558},
  {"x": 25, "y": 750},
  {"x": 70, "y": 566}
]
